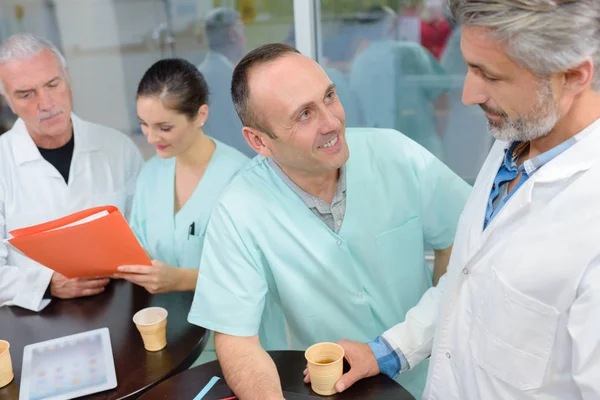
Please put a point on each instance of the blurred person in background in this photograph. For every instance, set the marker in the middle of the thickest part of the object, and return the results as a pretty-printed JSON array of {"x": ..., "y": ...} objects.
[
  {"x": 400, "y": 84},
  {"x": 435, "y": 28},
  {"x": 227, "y": 45}
]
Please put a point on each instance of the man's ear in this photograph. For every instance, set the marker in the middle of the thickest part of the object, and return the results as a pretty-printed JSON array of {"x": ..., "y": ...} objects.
[
  {"x": 256, "y": 140},
  {"x": 579, "y": 78}
]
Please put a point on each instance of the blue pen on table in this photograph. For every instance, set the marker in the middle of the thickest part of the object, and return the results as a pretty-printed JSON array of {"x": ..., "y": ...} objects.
[{"x": 192, "y": 230}]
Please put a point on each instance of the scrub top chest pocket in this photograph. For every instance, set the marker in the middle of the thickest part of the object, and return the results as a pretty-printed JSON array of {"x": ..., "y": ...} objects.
[
  {"x": 192, "y": 247},
  {"x": 401, "y": 259}
]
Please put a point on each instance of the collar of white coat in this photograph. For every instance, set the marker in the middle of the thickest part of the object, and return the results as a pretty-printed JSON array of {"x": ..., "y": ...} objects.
[
  {"x": 579, "y": 157},
  {"x": 25, "y": 150}
]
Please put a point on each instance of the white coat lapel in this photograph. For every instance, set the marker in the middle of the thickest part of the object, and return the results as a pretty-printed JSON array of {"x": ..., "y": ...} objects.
[
  {"x": 85, "y": 142},
  {"x": 474, "y": 213},
  {"x": 538, "y": 191},
  {"x": 25, "y": 152},
  {"x": 482, "y": 242},
  {"x": 580, "y": 157},
  {"x": 551, "y": 179}
]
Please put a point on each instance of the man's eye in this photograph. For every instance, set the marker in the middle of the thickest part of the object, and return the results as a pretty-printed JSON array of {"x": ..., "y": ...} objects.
[
  {"x": 304, "y": 115},
  {"x": 487, "y": 78}
]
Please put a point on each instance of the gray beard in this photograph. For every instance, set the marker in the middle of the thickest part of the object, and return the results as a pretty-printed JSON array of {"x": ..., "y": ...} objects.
[{"x": 536, "y": 124}]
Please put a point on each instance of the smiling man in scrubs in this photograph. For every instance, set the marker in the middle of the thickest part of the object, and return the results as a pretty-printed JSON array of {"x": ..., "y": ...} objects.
[{"x": 327, "y": 225}]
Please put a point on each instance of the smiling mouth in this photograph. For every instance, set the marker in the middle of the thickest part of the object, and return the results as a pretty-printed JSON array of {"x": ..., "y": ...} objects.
[{"x": 331, "y": 143}]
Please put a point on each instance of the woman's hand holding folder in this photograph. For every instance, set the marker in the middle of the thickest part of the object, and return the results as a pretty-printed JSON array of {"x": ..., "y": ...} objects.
[{"x": 159, "y": 277}]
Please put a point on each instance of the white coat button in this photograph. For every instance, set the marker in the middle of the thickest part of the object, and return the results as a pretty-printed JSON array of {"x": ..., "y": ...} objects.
[
  {"x": 339, "y": 223},
  {"x": 339, "y": 242},
  {"x": 360, "y": 295},
  {"x": 448, "y": 355},
  {"x": 465, "y": 271}
]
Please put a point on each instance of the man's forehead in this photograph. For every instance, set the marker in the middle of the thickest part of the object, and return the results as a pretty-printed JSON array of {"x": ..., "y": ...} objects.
[
  {"x": 478, "y": 43},
  {"x": 30, "y": 72},
  {"x": 289, "y": 76},
  {"x": 480, "y": 48}
]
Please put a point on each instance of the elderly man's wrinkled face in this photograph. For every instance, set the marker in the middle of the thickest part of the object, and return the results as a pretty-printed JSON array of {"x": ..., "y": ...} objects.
[
  {"x": 295, "y": 98},
  {"x": 39, "y": 93},
  {"x": 519, "y": 105}
]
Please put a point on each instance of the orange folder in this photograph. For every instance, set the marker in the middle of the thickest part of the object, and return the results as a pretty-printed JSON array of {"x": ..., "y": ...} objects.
[{"x": 93, "y": 248}]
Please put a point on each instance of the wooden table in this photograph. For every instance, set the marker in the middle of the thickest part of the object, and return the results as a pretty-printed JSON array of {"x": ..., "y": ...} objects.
[
  {"x": 290, "y": 364},
  {"x": 137, "y": 370}
]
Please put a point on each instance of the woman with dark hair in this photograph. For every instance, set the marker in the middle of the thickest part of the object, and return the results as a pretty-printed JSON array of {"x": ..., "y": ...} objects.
[{"x": 177, "y": 188}]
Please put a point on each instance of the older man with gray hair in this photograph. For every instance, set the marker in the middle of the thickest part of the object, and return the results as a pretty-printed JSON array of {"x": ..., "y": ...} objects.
[
  {"x": 52, "y": 163},
  {"x": 227, "y": 44},
  {"x": 513, "y": 318}
]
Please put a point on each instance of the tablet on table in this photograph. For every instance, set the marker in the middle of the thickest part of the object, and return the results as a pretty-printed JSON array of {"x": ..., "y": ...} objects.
[{"x": 68, "y": 367}]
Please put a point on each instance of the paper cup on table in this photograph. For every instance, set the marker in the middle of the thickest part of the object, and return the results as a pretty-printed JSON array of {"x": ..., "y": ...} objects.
[
  {"x": 325, "y": 365},
  {"x": 6, "y": 371},
  {"x": 152, "y": 324}
]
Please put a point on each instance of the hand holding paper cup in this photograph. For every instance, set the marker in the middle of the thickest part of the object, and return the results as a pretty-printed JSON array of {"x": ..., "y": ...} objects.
[
  {"x": 152, "y": 324},
  {"x": 325, "y": 366},
  {"x": 6, "y": 370}
]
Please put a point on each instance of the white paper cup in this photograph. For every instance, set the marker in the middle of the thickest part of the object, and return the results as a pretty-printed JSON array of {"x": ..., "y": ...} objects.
[
  {"x": 6, "y": 370},
  {"x": 325, "y": 365},
  {"x": 152, "y": 324}
]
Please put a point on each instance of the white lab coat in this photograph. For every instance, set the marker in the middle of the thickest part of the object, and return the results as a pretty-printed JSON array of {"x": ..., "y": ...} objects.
[
  {"x": 515, "y": 317},
  {"x": 104, "y": 169}
]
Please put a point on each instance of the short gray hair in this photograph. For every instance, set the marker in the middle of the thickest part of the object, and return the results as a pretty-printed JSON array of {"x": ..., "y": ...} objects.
[
  {"x": 217, "y": 25},
  {"x": 545, "y": 36},
  {"x": 23, "y": 46}
]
